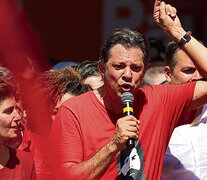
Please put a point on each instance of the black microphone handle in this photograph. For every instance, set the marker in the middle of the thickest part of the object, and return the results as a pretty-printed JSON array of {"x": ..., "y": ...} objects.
[{"x": 131, "y": 141}]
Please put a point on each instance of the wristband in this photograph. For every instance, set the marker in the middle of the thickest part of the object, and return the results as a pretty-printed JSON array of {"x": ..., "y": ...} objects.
[{"x": 185, "y": 39}]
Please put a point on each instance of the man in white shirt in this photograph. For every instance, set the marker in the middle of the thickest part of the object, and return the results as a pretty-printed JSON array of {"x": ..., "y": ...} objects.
[{"x": 186, "y": 155}]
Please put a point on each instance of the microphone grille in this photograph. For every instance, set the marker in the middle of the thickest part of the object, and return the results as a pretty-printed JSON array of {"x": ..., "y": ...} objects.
[{"x": 127, "y": 96}]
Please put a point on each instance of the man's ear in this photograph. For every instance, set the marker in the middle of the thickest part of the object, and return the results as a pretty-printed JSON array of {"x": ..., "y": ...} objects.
[
  {"x": 101, "y": 68},
  {"x": 168, "y": 74}
]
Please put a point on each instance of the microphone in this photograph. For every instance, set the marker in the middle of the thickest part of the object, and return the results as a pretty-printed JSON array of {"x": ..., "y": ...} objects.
[{"x": 127, "y": 99}]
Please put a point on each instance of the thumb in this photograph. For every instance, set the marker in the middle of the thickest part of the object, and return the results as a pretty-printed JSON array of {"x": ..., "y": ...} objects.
[
  {"x": 156, "y": 11},
  {"x": 157, "y": 5}
]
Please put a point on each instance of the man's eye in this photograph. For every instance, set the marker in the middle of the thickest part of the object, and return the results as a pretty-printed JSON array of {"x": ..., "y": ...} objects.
[
  {"x": 9, "y": 110},
  {"x": 189, "y": 71},
  {"x": 136, "y": 68},
  {"x": 116, "y": 66}
]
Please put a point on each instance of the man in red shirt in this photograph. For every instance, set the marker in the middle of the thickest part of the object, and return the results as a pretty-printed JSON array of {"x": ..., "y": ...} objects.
[{"x": 90, "y": 131}]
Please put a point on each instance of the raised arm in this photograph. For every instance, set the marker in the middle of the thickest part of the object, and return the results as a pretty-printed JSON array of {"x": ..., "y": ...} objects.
[{"x": 166, "y": 17}]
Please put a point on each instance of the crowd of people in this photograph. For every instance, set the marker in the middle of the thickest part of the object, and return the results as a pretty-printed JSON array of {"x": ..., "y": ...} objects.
[{"x": 88, "y": 132}]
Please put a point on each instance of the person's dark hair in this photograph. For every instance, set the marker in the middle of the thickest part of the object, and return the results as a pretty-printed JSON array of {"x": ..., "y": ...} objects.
[
  {"x": 87, "y": 68},
  {"x": 171, "y": 50},
  {"x": 7, "y": 76},
  {"x": 72, "y": 82},
  {"x": 128, "y": 38},
  {"x": 56, "y": 83},
  {"x": 8, "y": 86},
  {"x": 6, "y": 91}
]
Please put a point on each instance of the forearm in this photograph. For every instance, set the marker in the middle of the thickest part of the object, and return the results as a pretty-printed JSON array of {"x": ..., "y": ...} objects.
[
  {"x": 94, "y": 167},
  {"x": 194, "y": 49},
  {"x": 166, "y": 17}
]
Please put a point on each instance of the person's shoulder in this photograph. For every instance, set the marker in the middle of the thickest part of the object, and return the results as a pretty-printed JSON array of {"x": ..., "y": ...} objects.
[
  {"x": 169, "y": 91},
  {"x": 165, "y": 86},
  {"x": 77, "y": 98},
  {"x": 154, "y": 87},
  {"x": 155, "y": 90},
  {"x": 80, "y": 99}
]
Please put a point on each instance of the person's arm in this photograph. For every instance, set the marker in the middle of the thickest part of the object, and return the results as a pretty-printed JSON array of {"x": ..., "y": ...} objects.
[
  {"x": 166, "y": 17},
  {"x": 93, "y": 168}
]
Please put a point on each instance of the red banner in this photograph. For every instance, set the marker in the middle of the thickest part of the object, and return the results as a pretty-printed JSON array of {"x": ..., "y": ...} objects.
[{"x": 74, "y": 31}]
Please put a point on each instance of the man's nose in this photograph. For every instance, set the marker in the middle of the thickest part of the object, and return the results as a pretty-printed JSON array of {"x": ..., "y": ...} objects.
[{"x": 127, "y": 73}]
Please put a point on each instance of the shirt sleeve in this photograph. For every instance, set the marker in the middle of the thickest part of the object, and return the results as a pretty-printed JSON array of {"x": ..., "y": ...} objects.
[
  {"x": 177, "y": 99},
  {"x": 66, "y": 137}
]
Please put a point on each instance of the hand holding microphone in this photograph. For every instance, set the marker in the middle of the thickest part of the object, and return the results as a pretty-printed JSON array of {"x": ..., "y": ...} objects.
[
  {"x": 127, "y": 127},
  {"x": 127, "y": 99}
]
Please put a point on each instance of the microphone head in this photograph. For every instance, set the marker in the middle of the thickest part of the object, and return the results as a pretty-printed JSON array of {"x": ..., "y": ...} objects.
[{"x": 127, "y": 97}]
